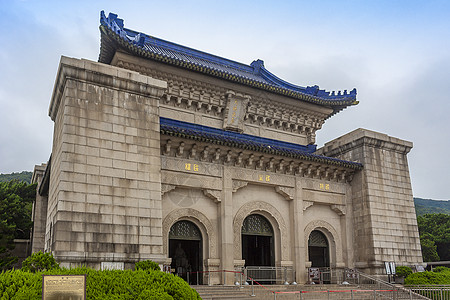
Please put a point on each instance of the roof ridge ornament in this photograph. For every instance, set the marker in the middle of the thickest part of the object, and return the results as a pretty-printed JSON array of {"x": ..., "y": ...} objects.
[{"x": 257, "y": 65}]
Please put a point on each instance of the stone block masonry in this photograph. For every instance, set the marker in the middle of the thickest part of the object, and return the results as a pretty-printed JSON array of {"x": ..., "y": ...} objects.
[
  {"x": 385, "y": 225},
  {"x": 104, "y": 196}
]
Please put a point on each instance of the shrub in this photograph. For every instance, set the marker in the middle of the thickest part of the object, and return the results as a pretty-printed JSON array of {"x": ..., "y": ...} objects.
[
  {"x": 442, "y": 277},
  {"x": 441, "y": 269},
  {"x": 403, "y": 271},
  {"x": 107, "y": 284},
  {"x": 39, "y": 262},
  {"x": 147, "y": 265}
]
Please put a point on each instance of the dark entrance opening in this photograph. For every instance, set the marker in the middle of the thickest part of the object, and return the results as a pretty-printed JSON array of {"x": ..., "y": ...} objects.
[
  {"x": 185, "y": 249},
  {"x": 318, "y": 250},
  {"x": 257, "y": 241}
]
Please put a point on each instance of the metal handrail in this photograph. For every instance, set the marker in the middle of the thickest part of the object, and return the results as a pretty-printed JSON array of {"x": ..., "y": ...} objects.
[
  {"x": 361, "y": 286},
  {"x": 283, "y": 275}
]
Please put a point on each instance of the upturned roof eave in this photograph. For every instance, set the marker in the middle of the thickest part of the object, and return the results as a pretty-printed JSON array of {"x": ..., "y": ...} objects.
[
  {"x": 202, "y": 134},
  {"x": 107, "y": 51}
]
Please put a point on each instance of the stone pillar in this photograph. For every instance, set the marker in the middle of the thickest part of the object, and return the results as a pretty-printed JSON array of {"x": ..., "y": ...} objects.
[
  {"x": 39, "y": 213},
  {"x": 299, "y": 234},
  {"x": 385, "y": 225},
  {"x": 105, "y": 183},
  {"x": 226, "y": 228}
]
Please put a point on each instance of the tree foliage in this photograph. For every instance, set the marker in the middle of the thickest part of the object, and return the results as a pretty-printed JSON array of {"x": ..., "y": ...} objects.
[
  {"x": 16, "y": 200},
  {"x": 435, "y": 228}
]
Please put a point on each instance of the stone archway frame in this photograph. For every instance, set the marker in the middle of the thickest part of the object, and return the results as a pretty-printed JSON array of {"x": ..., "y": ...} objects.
[
  {"x": 272, "y": 215},
  {"x": 200, "y": 220},
  {"x": 334, "y": 240}
]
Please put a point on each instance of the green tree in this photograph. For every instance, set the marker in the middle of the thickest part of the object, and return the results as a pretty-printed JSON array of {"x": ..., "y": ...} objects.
[
  {"x": 429, "y": 248},
  {"x": 16, "y": 199},
  {"x": 435, "y": 229}
]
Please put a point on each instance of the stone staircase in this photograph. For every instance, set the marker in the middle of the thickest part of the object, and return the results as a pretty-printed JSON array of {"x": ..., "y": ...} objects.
[{"x": 318, "y": 292}]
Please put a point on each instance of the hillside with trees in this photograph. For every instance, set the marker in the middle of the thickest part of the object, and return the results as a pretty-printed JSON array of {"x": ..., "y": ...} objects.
[
  {"x": 24, "y": 176},
  {"x": 429, "y": 206}
]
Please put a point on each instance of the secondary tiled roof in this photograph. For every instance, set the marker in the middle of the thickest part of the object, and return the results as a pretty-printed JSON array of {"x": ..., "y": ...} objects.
[
  {"x": 116, "y": 36},
  {"x": 244, "y": 141}
]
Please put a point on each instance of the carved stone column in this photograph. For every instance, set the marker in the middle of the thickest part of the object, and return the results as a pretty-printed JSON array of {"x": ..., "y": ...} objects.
[
  {"x": 298, "y": 236},
  {"x": 226, "y": 227}
]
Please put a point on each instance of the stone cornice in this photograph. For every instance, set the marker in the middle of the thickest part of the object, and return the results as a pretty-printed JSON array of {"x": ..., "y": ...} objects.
[
  {"x": 337, "y": 147},
  {"x": 102, "y": 75},
  {"x": 247, "y": 159}
]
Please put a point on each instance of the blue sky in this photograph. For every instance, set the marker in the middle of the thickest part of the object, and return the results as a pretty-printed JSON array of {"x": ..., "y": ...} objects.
[{"x": 396, "y": 53}]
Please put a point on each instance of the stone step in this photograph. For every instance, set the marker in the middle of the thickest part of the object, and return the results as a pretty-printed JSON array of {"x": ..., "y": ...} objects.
[{"x": 266, "y": 293}]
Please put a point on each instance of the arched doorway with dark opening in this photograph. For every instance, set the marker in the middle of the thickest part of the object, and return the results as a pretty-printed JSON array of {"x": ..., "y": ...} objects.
[
  {"x": 257, "y": 241},
  {"x": 318, "y": 250},
  {"x": 185, "y": 250}
]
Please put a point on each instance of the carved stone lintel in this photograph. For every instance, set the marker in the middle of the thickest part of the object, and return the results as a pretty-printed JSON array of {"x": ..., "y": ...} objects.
[
  {"x": 286, "y": 192},
  {"x": 339, "y": 209},
  {"x": 237, "y": 184},
  {"x": 307, "y": 204},
  {"x": 213, "y": 194},
  {"x": 166, "y": 188}
]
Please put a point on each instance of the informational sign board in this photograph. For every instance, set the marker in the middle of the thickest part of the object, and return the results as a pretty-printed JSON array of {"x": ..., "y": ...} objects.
[
  {"x": 314, "y": 274},
  {"x": 419, "y": 268},
  {"x": 392, "y": 265},
  {"x": 55, "y": 287},
  {"x": 351, "y": 274},
  {"x": 388, "y": 268},
  {"x": 111, "y": 265}
]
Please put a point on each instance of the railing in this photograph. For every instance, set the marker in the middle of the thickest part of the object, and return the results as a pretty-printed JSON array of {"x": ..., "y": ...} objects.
[
  {"x": 435, "y": 292},
  {"x": 267, "y": 274},
  {"x": 360, "y": 285}
]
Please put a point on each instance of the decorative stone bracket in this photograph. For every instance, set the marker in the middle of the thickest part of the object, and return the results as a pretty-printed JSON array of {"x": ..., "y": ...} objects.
[
  {"x": 167, "y": 188},
  {"x": 286, "y": 192},
  {"x": 213, "y": 194},
  {"x": 339, "y": 209},
  {"x": 237, "y": 184},
  {"x": 307, "y": 204}
]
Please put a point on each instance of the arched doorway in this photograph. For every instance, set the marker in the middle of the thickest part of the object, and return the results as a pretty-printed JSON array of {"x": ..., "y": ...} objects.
[
  {"x": 257, "y": 241},
  {"x": 318, "y": 250},
  {"x": 185, "y": 249}
]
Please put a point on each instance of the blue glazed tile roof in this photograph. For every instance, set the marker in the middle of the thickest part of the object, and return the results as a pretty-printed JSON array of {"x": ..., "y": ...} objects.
[
  {"x": 115, "y": 35},
  {"x": 244, "y": 141}
]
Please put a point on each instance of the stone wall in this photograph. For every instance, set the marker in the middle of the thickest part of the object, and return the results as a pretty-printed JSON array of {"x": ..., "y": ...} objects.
[
  {"x": 385, "y": 225},
  {"x": 104, "y": 197}
]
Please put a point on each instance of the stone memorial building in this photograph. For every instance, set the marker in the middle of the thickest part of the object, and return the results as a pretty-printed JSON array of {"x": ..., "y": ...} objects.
[{"x": 168, "y": 153}]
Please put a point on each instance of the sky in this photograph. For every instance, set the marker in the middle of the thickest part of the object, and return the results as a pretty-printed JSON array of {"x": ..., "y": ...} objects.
[{"x": 395, "y": 53}]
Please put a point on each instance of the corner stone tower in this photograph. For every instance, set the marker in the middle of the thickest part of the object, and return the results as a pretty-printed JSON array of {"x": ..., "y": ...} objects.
[
  {"x": 385, "y": 225},
  {"x": 105, "y": 166}
]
